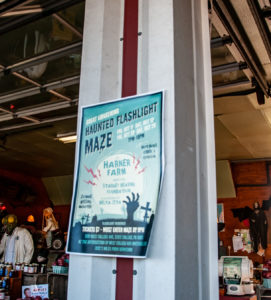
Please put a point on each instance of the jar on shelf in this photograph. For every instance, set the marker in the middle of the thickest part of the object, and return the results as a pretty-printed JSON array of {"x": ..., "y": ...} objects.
[
  {"x": 31, "y": 269},
  {"x": 2, "y": 270},
  {"x": 5, "y": 283},
  {"x": 8, "y": 268},
  {"x": 43, "y": 268},
  {"x": 12, "y": 273},
  {"x": 35, "y": 267},
  {"x": 18, "y": 267},
  {"x": 26, "y": 266}
]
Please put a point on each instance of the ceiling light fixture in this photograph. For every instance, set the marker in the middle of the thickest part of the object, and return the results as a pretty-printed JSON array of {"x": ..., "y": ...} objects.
[{"x": 67, "y": 138}]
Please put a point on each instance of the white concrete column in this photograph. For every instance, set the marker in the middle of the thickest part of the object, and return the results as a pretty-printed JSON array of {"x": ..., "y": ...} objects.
[
  {"x": 195, "y": 154},
  {"x": 174, "y": 54},
  {"x": 91, "y": 278}
]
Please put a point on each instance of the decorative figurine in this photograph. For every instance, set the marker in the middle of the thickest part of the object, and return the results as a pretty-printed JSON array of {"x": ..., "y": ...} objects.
[
  {"x": 49, "y": 225},
  {"x": 17, "y": 244},
  {"x": 258, "y": 229}
]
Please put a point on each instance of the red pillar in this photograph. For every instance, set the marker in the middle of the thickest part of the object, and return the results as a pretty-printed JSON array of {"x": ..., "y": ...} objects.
[{"x": 124, "y": 280}]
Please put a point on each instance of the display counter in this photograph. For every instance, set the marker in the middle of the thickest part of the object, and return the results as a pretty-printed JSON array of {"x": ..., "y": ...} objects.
[
  {"x": 49, "y": 281},
  {"x": 30, "y": 279}
]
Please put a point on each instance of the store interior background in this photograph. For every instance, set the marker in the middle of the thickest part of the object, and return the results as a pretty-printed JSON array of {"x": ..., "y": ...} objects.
[
  {"x": 242, "y": 110},
  {"x": 40, "y": 56}
]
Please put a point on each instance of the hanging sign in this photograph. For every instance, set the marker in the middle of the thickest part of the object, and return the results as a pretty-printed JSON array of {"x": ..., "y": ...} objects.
[{"x": 118, "y": 179}]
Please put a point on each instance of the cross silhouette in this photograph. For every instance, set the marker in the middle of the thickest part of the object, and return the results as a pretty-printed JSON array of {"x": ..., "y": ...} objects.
[
  {"x": 147, "y": 208},
  {"x": 87, "y": 217}
]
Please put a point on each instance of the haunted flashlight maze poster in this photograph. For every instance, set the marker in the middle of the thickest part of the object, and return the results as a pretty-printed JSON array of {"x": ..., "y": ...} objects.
[{"x": 118, "y": 177}]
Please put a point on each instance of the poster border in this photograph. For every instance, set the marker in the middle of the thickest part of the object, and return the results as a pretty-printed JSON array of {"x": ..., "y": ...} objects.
[{"x": 78, "y": 155}]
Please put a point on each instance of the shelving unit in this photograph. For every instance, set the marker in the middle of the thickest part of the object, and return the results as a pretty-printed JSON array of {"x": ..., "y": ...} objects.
[
  {"x": 57, "y": 283},
  {"x": 263, "y": 293},
  {"x": 58, "y": 286},
  {"x": 30, "y": 279}
]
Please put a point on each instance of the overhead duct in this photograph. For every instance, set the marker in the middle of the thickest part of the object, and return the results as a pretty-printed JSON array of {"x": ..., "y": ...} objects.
[
  {"x": 45, "y": 57},
  {"x": 229, "y": 68},
  {"x": 19, "y": 127},
  {"x": 232, "y": 24},
  {"x": 224, "y": 180},
  {"x": 47, "y": 10},
  {"x": 261, "y": 24},
  {"x": 37, "y": 90},
  {"x": 233, "y": 84},
  {"x": 221, "y": 41}
]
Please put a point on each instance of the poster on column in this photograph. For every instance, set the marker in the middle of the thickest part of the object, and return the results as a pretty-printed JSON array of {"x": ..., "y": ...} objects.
[{"x": 118, "y": 177}]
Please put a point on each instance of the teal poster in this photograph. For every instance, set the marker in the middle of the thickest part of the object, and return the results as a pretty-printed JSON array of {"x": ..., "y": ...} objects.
[{"x": 119, "y": 174}]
